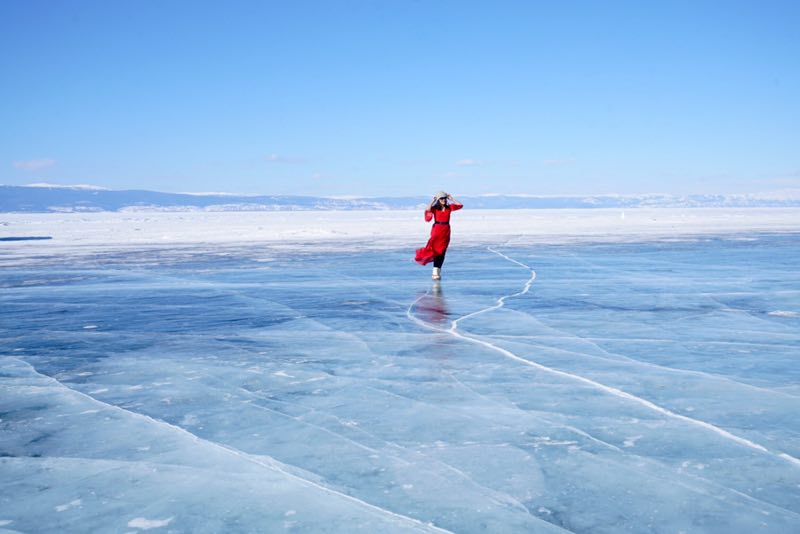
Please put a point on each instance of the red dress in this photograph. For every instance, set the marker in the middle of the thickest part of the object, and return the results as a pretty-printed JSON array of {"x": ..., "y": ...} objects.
[{"x": 440, "y": 234}]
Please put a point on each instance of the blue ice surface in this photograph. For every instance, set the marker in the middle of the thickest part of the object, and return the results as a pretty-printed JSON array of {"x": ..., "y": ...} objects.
[{"x": 640, "y": 387}]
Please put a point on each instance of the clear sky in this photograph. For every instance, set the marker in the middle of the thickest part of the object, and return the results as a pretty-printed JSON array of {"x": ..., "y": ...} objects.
[{"x": 394, "y": 97}]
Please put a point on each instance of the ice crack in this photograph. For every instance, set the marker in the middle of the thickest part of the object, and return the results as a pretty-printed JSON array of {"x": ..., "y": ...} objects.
[{"x": 454, "y": 331}]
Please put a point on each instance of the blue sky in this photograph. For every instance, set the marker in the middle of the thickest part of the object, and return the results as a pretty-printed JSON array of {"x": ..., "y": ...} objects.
[{"x": 402, "y": 97}]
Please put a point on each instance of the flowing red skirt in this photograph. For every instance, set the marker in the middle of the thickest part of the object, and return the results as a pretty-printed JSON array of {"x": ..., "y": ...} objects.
[{"x": 437, "y": 244}]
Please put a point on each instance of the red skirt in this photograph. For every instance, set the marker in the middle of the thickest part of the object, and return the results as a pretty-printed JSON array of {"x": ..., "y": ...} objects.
[{"x": 437, "y": 244}]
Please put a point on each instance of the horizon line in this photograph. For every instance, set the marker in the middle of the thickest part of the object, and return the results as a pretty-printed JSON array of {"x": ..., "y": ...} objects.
[{"x": 786, "y": 192}]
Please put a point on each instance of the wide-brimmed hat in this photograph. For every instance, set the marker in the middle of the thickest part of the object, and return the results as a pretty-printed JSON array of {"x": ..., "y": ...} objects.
[{"x": 440, "y": 194}]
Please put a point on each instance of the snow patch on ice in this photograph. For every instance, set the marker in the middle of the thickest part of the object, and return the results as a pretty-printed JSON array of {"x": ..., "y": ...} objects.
[
  {"x": 189, "y": 420},
  {"x": 283, "y": 374},
  {"x": 65, "y": 507},
  {"x": 784, "y": 313},
  {"x": 546, "y": 441},
  {"x": 315, "y": 379},
  {"x": 631, "y": 441},
  {"x": 147, "y": 524}
]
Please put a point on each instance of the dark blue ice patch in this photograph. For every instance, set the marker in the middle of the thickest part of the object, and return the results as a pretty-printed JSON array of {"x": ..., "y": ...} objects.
[{"x": 26, "y": 238}]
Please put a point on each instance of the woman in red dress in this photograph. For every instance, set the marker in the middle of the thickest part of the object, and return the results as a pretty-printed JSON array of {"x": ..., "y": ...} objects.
[{"x": 439, "y": 211}]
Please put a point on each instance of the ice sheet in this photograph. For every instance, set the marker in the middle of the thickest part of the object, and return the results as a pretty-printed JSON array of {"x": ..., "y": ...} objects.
[{"x": 642, "y": 387}]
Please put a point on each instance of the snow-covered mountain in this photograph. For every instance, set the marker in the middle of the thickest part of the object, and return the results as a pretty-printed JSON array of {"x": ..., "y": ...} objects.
[{"x": 43, "y": 198}]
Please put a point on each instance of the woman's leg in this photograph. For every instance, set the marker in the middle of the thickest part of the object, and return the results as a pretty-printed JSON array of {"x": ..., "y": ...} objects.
[{"x": 437, "y": 267}]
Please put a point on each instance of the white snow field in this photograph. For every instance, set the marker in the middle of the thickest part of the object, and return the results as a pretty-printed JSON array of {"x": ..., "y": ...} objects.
[
  {"x": 575, "y": 371},
  {"x": 384, "y": 229}
]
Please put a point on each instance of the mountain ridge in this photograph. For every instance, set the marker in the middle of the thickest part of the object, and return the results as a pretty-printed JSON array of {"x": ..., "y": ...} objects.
[{"x": 49, "y": 198}]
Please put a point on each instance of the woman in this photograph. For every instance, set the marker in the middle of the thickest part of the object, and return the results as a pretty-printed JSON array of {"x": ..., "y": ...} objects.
[{"x": 439, "y": 210}]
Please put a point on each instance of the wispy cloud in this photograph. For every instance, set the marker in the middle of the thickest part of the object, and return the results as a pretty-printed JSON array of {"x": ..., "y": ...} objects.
[
  {"x": 277, "y": 158},
  {"x": 34, "y": 164},
  {"x": 469, "y": 163}
]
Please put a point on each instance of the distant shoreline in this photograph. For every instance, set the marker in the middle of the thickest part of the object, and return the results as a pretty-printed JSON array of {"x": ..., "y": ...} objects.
[{"x": 78, "y": 233}]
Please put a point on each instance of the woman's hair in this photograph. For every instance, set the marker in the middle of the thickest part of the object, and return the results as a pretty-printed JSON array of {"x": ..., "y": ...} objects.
[{"x": 436, "y": 206}]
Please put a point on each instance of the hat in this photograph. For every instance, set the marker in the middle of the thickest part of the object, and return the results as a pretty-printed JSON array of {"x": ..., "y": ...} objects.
[{"x": 440, "y": 194}]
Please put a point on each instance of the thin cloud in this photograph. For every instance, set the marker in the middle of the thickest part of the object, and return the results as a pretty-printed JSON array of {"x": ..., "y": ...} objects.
[
  {"x": 277, "y": 158},
  {"x": 469, "y": 163},
  {"x": 34, "y": 164}
]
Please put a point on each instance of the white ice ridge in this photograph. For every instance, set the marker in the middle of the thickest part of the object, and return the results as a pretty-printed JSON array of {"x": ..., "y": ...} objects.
[
  {"x": 262, "y": 461},
  {"x": 453, "y": 330}
]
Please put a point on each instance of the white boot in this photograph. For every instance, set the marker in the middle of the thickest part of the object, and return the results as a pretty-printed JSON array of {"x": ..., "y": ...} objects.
[{"x": 437, "y": 274}]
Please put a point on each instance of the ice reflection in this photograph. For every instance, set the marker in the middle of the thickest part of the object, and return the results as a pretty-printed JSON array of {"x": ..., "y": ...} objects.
[{"x": 432, "y": 307}]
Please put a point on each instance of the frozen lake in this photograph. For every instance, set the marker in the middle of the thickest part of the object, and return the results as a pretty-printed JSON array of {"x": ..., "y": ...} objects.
[{"x": 628, "y": 387}]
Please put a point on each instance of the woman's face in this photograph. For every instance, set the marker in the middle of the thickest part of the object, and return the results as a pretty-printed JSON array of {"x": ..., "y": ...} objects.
[{"x": 442, "y": 201}]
